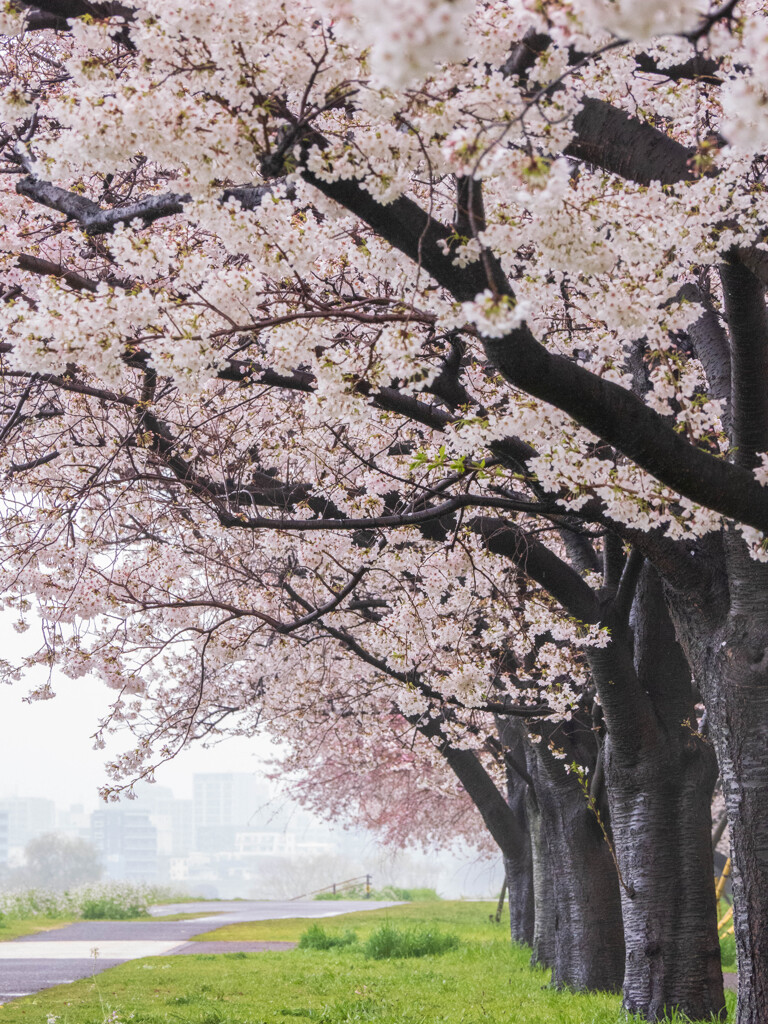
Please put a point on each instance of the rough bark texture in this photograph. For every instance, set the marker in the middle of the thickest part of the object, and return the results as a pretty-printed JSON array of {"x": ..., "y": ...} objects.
[
  {"x": 521, "y": 901},
  {"x": 659, "y": 776},
  {"x": 519, "y": 870},
  {"x": 522, "y": 795},
  {"x": 726, "y": 638},
  {"x": 543, "y": 943},
  {"x": 660, "y": 819},
  {"x": 588, "y": 944}
]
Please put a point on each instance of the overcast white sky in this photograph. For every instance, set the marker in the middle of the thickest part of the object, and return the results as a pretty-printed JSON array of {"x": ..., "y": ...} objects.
[{"x": 46, "y": 747}]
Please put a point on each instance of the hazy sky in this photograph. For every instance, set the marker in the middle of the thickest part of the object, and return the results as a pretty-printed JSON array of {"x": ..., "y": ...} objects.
[
  {"x": 46, "y": 747},
  {"x": 46, "y": 750}
]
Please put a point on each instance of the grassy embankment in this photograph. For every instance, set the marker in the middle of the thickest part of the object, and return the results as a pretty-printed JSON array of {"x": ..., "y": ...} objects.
[{"x": 483, "y": 980}]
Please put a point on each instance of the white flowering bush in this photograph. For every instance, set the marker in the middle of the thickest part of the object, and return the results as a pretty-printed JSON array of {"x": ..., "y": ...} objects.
[{"x": 124, "y": 897}]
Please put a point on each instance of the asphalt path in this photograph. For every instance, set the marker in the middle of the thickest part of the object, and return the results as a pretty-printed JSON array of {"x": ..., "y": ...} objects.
[{"x": 80, "y": 950}]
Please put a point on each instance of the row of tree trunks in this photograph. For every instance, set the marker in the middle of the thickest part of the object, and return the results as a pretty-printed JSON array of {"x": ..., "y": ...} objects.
[
  {"x": 585, "y": 912},
  {"x": 519, "y": 871},
  {"x": 651, "y": 924}
]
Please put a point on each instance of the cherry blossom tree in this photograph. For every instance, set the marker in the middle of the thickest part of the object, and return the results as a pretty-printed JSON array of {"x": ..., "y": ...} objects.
[{"x": 535, "y": 230}]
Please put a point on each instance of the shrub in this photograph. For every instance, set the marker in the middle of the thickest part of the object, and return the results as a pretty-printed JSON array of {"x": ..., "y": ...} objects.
[
  {"x": 316, "y": 937},
  {"x": 413, "y": 895},
  {"x": 25, "y": 903},
  {"x": 111, "y": 909},
  {"x": 388, "y": 942}
]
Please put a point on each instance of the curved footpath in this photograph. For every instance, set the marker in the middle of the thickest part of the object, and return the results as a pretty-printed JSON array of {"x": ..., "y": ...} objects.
[{"x": 79, "y": 950}]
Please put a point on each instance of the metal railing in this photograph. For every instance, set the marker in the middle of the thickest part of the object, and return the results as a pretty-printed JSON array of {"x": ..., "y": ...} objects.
[{"x": 338, "y": 887}]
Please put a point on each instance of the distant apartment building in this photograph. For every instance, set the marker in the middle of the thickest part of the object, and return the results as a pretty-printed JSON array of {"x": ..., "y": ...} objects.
[
  {"x": 27, "y": 817},
  {"x": 74, "y": 821},
  {"x": 225, "y": 803},
  {"x": 127, "y": 842},
  {"x": 173, "y": 819}
]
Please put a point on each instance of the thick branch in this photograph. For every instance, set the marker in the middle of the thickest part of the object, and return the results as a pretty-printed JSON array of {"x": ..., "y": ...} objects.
[
  {"x": 605, "y": 408},
  {"x": 56, "y": 14},
  {"x": 748, "y": 325},
  {"x": 711, "y": 346},
  {"x": 94, "y": 220},
  {"x": 499, "y": 819},
  {"x": 541, "y": 564},
  {"x": 617, "y": 142}
]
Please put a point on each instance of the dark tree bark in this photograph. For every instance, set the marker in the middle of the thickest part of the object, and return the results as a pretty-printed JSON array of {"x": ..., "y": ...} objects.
[
  {"x": 520, "y": 896},
  {"x": 659, "y": 776},
  {"x": 577, "y": 929},
  {"x": 519, "y": 870},
  {"x": 543, "y": 943},
  {"x": 576, "y": 865},
  {"x": 725, "y": 632},
  {"x": 660, "y": 795}
]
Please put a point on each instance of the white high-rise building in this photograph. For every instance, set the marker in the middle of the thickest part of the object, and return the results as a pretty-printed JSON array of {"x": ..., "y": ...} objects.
[
  {"x": 226, "y": 803},
  {"x": 28, "y": 817}
]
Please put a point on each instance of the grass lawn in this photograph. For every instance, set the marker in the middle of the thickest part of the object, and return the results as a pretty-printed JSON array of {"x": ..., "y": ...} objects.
[
  {"x": 15, "y": 927},
  {"x": 484, "y": 981},
  {"x": 469, "y": 920}
]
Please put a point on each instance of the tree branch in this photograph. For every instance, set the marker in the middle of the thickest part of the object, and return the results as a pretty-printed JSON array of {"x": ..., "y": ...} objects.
[
  {"x": 607, "y": 409},
  {"x": 542, "y": 565},
  {"x": 95, "y": 220},
  {"x": 745, "y": 312},
  {"x": 612, "y": 139}
]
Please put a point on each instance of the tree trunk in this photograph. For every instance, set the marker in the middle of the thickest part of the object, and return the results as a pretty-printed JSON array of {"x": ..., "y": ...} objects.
[
  {"x": 588, "y": 935},
  {"x": 729, "y": 652},
  {"x": 521, "y": 900},
  {"x": 519, "y": 870},
  {"x": 543, "y": 943},
  {"x": 744, "y": 767},
  {"x": 659, "y": 777},
  {"x": 737, "y": 704},
  {"x": 660, "y": 816},
  {"x": 660, "y": 794}
]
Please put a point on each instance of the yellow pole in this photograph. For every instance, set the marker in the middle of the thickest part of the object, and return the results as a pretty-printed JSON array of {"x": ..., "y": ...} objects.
[
  {"x": 721, "y": 883},
  {"x": 725, "y": 918}
]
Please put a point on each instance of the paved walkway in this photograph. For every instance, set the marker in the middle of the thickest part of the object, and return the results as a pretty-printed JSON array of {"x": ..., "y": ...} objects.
[{"x": 79, "y": 950}]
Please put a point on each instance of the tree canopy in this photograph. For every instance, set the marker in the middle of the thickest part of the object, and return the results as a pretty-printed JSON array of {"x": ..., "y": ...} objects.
[{"x": 400, "y": 363}]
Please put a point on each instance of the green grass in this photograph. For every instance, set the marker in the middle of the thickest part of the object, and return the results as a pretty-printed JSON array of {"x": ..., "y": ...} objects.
[
  {"x": 484, "y": 980},
  {"x": 383, "y": 943},
  {"x": 15, "y": 927},
  {"x": 316, "y": 937},
  {"x": 388, "y": 942},
  {"x": 389, "y": 892},
  {"x": 469, "y": 919},
  {"x": 110, "y": 910},
  {"x": 728, "y": 942}
]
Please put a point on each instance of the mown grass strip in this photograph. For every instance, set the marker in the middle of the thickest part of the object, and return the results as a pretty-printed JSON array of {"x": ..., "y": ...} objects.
[{"x": 16, "y": 927}]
